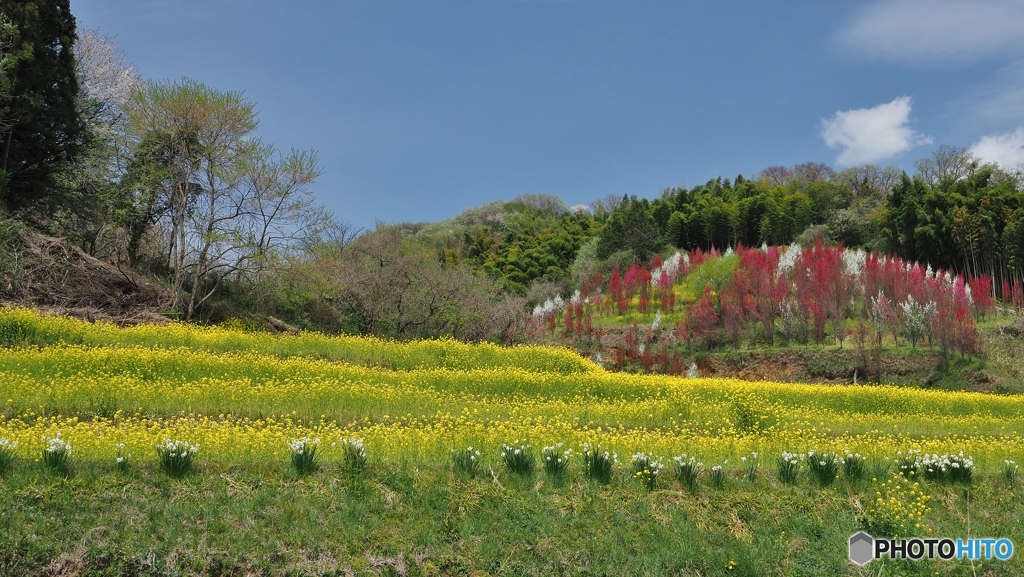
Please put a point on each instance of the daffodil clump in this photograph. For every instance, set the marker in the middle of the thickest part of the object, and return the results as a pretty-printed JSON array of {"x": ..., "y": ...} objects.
[
  {"x": 354, "y": 454},
  {"x": 687, "y": 470},
  {"x": 597, "y": 464},
  {"x": 948, "y": 468},
  {"x": 122, "y": 458},
  {"x": 555, "y": 460},
  {"x": 646, "y": 468},
  {"x": 717, "y": 475},
  {"x": 751, "y": 463},
  {"x": 788, "y": 467},
  {"x": 176, "y": 457},
  {"x": 7, "y": 448},
  {"x": 57, "y": 453},
  {"x": 908, "y": 463},
  {"x": 898, "y": 509},
  {"x": 518, "y": 458},
  {"x": 823, "y": 466},
  {"x": 467, "y": 462},
  {"x": 304, "y": 454},
  {"x": 854, "y": 466},
  {"x": 1010, "y": 471}
]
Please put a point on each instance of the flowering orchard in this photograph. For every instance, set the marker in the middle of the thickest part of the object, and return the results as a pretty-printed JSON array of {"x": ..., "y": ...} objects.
[
  {"x": 775, "y": 295},
  {"x": 237, "y": 407}
]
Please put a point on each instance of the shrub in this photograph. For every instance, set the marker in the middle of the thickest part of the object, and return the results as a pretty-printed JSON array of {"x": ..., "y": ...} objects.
[
  {"x": 57, "y": 454},
  {"x": 824, "y": 467},
  {"x": 6, "y": 453},
  {"x": 176, "y": 457},
  {"x": 646, "y": 469},
  {"x": 597, "y": 465},
  {"x": 466, "y": 462},
  {"x": 788, "y": 468},
  {"x": 556, "y": 461},
  {"x": 687, "y": 470},
  {"x": 854, "y": 466},
  {"x": 304, "y": 455},
  {"x": 518, "y": 458},
  {"x": 354, "y": 454}
]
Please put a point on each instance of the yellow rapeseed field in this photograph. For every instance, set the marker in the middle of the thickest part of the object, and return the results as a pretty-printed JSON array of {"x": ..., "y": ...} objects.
[{"x": 242, "y": 397}]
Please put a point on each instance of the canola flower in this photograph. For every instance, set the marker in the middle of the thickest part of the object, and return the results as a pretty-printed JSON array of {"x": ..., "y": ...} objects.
[
  {"x": 898, "y": 509},
  {"x": 243, "y": 397}
]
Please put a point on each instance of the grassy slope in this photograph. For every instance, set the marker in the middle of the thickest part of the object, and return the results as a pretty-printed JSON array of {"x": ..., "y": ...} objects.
[
  {"x": 409, "y": 515},
  {"x": 415, "y": 520}
]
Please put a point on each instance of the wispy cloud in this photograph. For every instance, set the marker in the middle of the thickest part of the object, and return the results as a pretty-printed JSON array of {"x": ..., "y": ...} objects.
[
  {"x": 867, "y": 135},
  {"x": 1006, "y": 150},
  {"x": 997, "y": 104},
  {"x": 936, "y": 30}
]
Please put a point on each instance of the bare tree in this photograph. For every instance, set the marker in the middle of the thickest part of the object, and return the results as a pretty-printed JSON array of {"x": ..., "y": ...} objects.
[
  {"x": 947, "y": 164},
  {"x": 395, "y": 288},
  {"x": 607, "y": 205},
  {"x": 543, "y": 203},
  {"x": 776, "y": 175},
  {"x": 800, "y": 174},
  {"x": 870, "y": 180}
]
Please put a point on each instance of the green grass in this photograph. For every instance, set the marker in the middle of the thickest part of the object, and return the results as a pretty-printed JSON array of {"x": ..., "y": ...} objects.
[{"x": 416, "y": 520}]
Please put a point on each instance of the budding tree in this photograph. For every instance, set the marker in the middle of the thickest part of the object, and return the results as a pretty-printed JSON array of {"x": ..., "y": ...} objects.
[{"x": 224, "y": 201}]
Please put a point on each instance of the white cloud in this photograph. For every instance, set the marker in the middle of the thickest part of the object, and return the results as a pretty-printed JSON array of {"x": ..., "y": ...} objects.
[
  {"x": 1006, "y": 150},
  {"x": 867, "y": 135},
  {"x": 936, "y": 30}
]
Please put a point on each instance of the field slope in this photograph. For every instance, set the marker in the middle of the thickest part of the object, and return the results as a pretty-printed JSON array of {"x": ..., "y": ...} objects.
[{"x": 241, "y": 397}]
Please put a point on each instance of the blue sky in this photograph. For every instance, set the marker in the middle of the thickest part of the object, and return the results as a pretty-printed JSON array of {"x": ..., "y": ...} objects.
[{"x": 420, "y": 109}]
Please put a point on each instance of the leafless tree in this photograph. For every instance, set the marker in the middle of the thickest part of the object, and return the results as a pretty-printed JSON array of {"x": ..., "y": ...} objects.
[
  {"x": 776, "y": 175},
  {"x": 606, "y": 205},
  {"x": 947, "y": 164},
  {"x": 870, "y": 180},
  {"x": 396, "y": 288},
  {"x": 543, "y": 203}
]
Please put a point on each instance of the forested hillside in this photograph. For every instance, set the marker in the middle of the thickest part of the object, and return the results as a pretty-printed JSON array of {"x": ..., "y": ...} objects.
[{"x": 164, "y": 184}]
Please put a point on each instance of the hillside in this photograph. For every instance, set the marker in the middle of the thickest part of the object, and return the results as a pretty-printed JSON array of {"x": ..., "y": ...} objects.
[
  {"x": 815, "y": 314},
  {"x": 386, "y": 496},
  {"x": 53, "y": 274}
]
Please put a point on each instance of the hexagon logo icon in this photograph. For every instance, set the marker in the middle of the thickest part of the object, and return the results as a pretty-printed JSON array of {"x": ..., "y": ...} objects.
[{"x": 862, "y": 548}]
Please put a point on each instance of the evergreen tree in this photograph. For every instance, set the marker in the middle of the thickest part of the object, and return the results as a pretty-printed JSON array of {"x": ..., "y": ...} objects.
[
  {"x": 631, "y": 227},
  {"x": 40, "y": 125}
]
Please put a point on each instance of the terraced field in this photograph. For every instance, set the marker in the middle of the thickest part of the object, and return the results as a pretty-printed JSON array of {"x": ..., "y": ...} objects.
[{"x": 243, "y": 397}]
